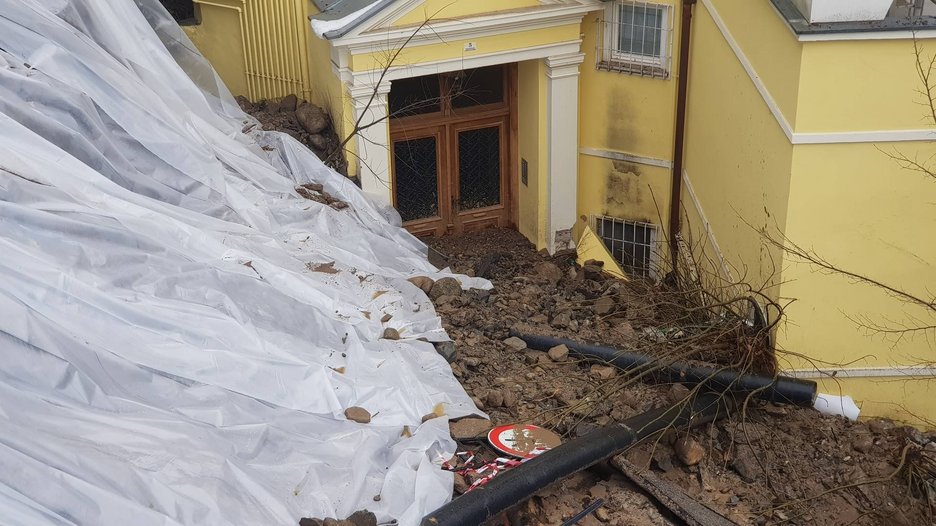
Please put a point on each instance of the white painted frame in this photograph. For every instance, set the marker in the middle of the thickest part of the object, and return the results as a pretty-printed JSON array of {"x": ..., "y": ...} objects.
[{"x": 612, "y": 31}]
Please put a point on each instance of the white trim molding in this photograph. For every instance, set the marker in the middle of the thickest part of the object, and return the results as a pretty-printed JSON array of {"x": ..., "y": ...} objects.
[
  {"x": 867, "y": 136},
  {"x": 562, "y": 99},
  {"x": 627, "y": 157},
  {"x": 709, "y": 232},
  {"x": 908, "y": 371}
]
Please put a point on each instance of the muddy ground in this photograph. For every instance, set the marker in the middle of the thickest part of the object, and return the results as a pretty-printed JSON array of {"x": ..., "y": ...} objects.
[{"x": 773, "y": 465}]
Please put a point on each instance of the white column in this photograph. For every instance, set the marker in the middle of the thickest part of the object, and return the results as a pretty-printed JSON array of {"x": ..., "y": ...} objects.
[
  {"x": 373, "y": 142},
  {"x": 562, "y": 104}
]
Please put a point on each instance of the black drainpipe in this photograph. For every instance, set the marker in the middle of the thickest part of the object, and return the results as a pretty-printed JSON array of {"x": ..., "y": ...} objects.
[{"x": 680, "y": 136}]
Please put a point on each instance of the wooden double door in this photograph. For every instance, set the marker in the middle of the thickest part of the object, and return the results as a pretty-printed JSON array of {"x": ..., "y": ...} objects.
[{"x": 450, "y": 163}]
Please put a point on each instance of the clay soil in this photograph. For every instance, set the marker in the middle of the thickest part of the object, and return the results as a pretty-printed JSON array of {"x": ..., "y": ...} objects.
[{"x": 771, "y": 464}]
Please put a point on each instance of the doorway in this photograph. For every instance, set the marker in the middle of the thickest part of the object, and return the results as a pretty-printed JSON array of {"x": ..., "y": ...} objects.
[{"x": 451, "y": 137}]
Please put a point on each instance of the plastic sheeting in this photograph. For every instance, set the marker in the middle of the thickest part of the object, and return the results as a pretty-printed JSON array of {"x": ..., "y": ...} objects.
[{"x": 169, "y": 354}]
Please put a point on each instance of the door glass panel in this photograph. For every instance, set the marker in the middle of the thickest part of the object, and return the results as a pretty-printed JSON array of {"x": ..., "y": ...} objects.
[
  {"x": 417, "y": 178},
  {"x": 415, "y": 96},
  {"x": 479, "y": 168},
  {"x": 475, "y": 87}
]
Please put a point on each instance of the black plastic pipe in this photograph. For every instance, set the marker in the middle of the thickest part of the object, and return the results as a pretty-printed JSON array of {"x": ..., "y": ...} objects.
[
  {"x": 522, "y": 482},
  {"x": 780, "y": 389}
]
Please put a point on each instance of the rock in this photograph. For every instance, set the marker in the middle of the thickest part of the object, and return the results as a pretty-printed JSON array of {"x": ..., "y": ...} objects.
[
  {"x": 678, "y": 393},
  {"x": 423, "y": 282},
  {"x": 472, "y": 361},
  {"x": 515, "y": 343},
  {"x": 467, "y": 428},
  {"x": 461, "y": 485},
  {"x": 603, "y": 372},
  {"x": 604, "y": 305},
  {"x": 592, "y": 272},
  {"x": 602, "y": 515},
  {"x": 362, "y": 518},
  {"x": 310, "y": 522},
  {"x": 429, "y": 417},
  {"x": 447, "y": 349},
  {"x": 745, "y": 465},
  {"x": 445, "y": 287},
  {"x": 289, "y": 103},
  {"x": 312, "y": 118},
  {"x": 558, "y": 353},
  {"x": 391, "y": 334},
  {"x": 880, "y": 426},
  {"x": 863, "y": 443},
  {"x": 318, "y": 141},
  {"x": 562, "y": 319},
  {"x": 548, "y": 272},
  {"x": 494, "y": 398},
  {"x": 689, "y": 451},
  {"x": 486, "y": 266},
  {"x": 358, "y": 414},
  {"x": 663, "y": 459},
  {"x": 510, "y": 398}
]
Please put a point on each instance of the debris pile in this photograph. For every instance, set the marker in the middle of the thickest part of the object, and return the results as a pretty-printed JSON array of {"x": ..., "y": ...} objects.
[
  {"x": 307, "y": 123},
  {"x": 769, "y": 464}
]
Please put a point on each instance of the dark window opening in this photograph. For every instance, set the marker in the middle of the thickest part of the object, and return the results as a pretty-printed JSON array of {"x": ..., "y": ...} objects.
[
  {"x": 476, "y": 87},
  {"x": 443, "y": 93},
  {"x": 631, "y": 243},
  {"x": 183, "y": 11},
  {"x": 415, "y": 96}
]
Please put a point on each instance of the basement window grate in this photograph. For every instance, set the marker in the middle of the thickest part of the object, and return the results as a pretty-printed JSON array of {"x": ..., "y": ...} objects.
[{"x": 632, "y": 243}]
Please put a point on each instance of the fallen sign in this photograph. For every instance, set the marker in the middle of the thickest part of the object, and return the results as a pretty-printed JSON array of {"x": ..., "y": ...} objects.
[{"x": 671, "y": 496}]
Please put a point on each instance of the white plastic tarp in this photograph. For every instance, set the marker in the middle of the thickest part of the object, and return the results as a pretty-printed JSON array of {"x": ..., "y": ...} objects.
[{"x": 168, "y": 354}]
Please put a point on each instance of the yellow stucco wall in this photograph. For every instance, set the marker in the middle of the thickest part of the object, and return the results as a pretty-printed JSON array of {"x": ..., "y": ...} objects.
[
  {"x": 625, "y": 114},
  {"x": 531, "y": 77},
  {"x": 861, "y": 86},
  {"x": 768, "y": 44},
  {"x": 220, "y": 29},
  {"x": 737, "y": 158},
  {"x": 447, "y": 9},
  {"x": 853, "y": 205}
]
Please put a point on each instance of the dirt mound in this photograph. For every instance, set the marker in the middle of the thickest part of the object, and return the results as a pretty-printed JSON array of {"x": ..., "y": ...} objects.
[{"x": 768, "y": 465}]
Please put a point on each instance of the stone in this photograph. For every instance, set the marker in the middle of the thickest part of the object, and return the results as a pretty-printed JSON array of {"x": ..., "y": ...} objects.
[
  {"x": 318, "y": 141},
  {"x": 548, "y": 272},
  {"x": 562, "y": 319},
  {"x": 602, "y": 515},
  {"x": 510, "y": 398},
  {"x": 880, "y": 426},
  {"x": 310, "y": 522},
  {"x": 863, "y": 443},
  {"x": 312, "y": 118},
  {"x": 446, "y": 349},
  {"x": 423, "y": 282},
  {"x": 445, "y": 287},
  {"x": 604, "y": 305},
  {"x": 391, "y": 334},
  {"x": 603, "y": 372},
  {"x": 678, "y": 393},
  {"x": 663, "y": 459},
  {"x": 429, "y": 417},
  {"x": 467, "y": 428},
  {"x": 460, "y": 485},
  {"x": 358, "y": 414},
  {"x": 362, "y": 518},
  {"x": 494, "y": 398},
  {"x": 515, "y": 343},
  {"x": 558, "y": 353},
  {"x": 592, "y": 272},
  {"x": 289, "y": 103},
  {"x": 689, "y": 451},
  {"x": 472, "y": 361},
  {"x": 745, "y": 465}
]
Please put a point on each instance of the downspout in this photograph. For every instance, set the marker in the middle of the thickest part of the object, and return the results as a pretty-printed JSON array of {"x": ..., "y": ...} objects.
[{"x": 679, "y": 140}]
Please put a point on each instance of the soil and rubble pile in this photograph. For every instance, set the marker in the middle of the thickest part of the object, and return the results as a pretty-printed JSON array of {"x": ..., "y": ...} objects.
[
  {"x": 772, "y": 465},
  {"x": 307, "y": 123}
]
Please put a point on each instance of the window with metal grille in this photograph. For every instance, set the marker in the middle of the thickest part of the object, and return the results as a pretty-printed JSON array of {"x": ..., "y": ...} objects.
[
  {"x": 635, "y": 37},
  {"x": 183, "y": 11},
  {"x": 632, "y": 243}
]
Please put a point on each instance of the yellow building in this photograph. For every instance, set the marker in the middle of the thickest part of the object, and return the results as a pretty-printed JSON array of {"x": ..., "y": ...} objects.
[{"x": 546, "y": 115}]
